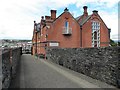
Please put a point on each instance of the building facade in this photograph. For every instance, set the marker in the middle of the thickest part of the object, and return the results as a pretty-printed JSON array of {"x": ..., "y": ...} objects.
[{"x": 65, "y": 31}]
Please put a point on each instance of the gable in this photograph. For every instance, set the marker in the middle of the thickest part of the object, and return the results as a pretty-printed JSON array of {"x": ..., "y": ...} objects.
[
  {"x": 84, "y": 20},
  {"x": 69, "y": 15},
  {"x": 58, "y": 27}
]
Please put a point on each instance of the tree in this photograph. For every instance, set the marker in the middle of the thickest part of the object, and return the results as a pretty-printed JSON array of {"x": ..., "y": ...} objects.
[
  {"x": 118, "y": 43},
  {"x": 112, "y": 43}
]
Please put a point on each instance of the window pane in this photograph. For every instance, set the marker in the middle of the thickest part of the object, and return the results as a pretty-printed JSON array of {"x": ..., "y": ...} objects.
[{"x": 66, "y": 24}]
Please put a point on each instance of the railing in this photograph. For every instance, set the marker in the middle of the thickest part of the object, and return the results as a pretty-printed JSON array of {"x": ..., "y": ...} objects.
[{"x": 67, "y": 31}]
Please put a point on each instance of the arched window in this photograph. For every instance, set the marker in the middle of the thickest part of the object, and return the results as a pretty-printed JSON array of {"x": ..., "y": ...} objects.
[{"x": 95, "y": 34}]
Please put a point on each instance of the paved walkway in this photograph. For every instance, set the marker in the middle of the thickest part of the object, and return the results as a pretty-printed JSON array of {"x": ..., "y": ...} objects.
[{"x": 39, "y": 73}]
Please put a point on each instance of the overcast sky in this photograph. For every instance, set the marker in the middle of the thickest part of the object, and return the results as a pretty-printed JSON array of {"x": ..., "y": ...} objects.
[{"x": 17, "y": 16}]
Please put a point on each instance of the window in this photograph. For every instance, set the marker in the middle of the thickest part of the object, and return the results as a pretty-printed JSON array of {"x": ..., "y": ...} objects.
[
  {"x": 66, "y": 29},
  {"x": 67, "y": 24},
  {"x": 38, "y": 27},
  {"x": 95, "y": 34}
]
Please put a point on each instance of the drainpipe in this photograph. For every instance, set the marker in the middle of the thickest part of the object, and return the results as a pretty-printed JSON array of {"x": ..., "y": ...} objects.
[
  {"x": 81, "y": 34},
  {"x": 36, "y": 42}
]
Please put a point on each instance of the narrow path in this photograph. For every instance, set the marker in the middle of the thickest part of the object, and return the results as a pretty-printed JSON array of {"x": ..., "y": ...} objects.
[{"x": 38, "y": 73}]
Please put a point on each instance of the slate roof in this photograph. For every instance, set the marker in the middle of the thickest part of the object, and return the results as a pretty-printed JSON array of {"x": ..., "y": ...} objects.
[
  {"x": 77, "y": 18},
  {"x": 84, "y": 20}
]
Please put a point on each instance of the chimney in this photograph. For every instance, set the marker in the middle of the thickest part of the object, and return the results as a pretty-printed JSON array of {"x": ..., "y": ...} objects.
[
  {"x": 95, "y": 12},
  {"x": 85, "y": 11},
  {"x": 47, "y": 17},
  {"x": 34, "y": 22},
  {"x": 34, "y": 25},
  {"x": 42, "y": 18},
  {"x": 53, "y": 14}
]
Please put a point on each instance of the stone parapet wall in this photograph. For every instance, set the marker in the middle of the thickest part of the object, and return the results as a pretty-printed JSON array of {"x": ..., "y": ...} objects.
[
  {"x": 10, "y": 61},
  {"x": 99, "y": 63}
]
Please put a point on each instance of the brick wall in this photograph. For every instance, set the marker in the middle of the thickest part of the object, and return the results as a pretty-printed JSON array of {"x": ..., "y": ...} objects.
[
  {"x": 56, "y": 32},
  {"x": 99, "y": 63}
]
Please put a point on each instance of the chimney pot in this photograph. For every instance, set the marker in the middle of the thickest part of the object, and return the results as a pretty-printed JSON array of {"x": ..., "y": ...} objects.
[
  {"x": 42, "y": 17},
  {"x": 85, "y": 7},
  {"x": 95, "y": 12}
]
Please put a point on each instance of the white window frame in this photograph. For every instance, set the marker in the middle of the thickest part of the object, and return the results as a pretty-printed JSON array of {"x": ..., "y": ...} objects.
[{"x": 96, "y": 27}]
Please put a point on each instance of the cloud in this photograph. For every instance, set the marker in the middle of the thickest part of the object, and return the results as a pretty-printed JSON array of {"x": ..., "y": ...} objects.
[
  {"x": 111, "y": 20},
  {"x": 108, "y": 11},
  {"x": 107, "y": 3},
  {"x": 119, "y": 20},
  {"x": 116, "y": 37},
  {"x": 17, "y": 16}
]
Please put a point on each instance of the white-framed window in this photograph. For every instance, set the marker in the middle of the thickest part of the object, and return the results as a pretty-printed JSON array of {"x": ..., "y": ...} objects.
[
  {"x": 95, "y": 34},
  {"x": 66, "y": 28},
  {"x": 67, "y": 25}
]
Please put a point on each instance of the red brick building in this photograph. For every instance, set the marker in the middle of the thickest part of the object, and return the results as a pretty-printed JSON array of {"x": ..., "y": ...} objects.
[{"x": 65, "y": 31}]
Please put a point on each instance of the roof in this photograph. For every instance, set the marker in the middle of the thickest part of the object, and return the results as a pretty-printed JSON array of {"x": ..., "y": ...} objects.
[
  {"x": 77, "y": 18},
  {"x": 84, "y": 20}
]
